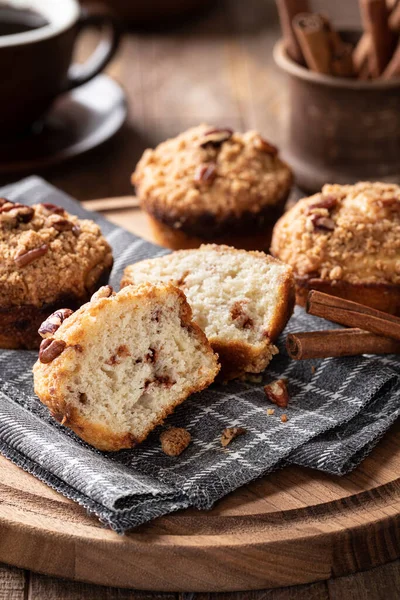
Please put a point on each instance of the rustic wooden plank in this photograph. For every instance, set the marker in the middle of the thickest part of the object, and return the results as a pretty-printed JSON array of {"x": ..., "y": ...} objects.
[
  {"x": 12, "y": 583},
  {"x": 315, "y": 591},
  {"x": 381, "y": 583},
  {"x": 49, "y": 588}
]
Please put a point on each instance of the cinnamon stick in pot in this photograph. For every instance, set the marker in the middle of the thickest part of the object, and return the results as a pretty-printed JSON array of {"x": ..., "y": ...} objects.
[
  {"x": 341, "y": 53},
  {"x": 393, "y": 68},
  {"x": 361, "y": 60},
  {"x": 375, "y": 18},
  {"x": 315, "y": 43},
  {"x": 287, "y": 10},
  {"x": 353, "y": 314},
  {"x": 342, "y": 61},
  {"x": 338, "y": 342},
  {"x": 394, "y": 18}
]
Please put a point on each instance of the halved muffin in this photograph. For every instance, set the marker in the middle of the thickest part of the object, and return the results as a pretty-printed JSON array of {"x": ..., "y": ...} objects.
[
  {"x": 115, "y": 368},
  {"x": 242, "y": 300}
]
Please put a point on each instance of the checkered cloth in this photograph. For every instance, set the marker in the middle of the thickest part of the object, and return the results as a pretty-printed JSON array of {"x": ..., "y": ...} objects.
[{"x": 335, "y": 417}]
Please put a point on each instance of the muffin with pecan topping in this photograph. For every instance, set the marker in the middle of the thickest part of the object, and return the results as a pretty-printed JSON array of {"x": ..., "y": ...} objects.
[
  {"x": 211, "y": 184},
  {"x": 49, "y": 259},
  {"x": 345, "y": 241}
]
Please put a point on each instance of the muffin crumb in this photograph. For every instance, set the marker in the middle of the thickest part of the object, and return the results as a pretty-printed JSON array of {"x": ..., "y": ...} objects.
[{"x": 175, "y": 440}]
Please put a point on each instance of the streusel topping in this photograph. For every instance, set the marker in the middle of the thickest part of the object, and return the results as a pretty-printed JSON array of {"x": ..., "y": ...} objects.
[
  {"x": 45, "y": 252},
  {"x": 346, "y": 233},
  {"x": 212, "y": 171}
]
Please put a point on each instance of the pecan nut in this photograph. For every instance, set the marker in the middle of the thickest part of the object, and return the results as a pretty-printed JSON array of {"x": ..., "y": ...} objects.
[
  {"x": 53, "y": 208},
  {"x": 392, "y": 203},
  {"x": 261, "y": 144},
  {"x": 50, "y": 349},
  {"x": 230, "y": 433},
  {"x": 53, "y": 322},
  {"x": 206, "y": 173},
  {"x": 277, "y": 392},
  {"x": 104, "y": 292},
  {"x": 59, "y": 223},
  {"x": 21, "y": 212},
  {"x": 327, "y": 201},
  {"x": 323, "y": 223},
  {"x": 23, "y": 258},
  {"x": 216, "y": 137}
]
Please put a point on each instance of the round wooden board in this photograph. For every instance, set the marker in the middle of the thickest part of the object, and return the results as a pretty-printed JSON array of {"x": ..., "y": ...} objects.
[{"x": 294, "y": 526}]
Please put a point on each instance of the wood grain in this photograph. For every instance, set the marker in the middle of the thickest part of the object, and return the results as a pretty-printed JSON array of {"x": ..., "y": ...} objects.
[{"x": 12, "y": 583}]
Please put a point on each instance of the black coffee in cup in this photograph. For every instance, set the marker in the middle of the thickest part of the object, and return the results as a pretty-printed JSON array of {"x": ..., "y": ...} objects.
[{"x": 18, "y": 20}]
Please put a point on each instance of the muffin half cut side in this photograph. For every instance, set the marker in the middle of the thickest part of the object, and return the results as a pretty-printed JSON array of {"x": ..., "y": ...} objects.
[
  {"x": 242, "y": 300},
  {"x": 115, "y": 368}
]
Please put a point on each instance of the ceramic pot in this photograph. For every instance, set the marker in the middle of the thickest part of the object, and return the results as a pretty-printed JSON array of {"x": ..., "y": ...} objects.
[{"x": 340, "y": 130}]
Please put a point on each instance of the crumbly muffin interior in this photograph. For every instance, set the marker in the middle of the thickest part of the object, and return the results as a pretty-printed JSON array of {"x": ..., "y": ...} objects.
[
  {"x": 234, "y": 295},
  {"x": 138, "y": 358}
]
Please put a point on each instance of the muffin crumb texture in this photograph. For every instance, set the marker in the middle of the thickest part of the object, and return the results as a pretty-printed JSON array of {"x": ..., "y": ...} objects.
[
  {"x": 241, "y": 300},
  {"x": 115, "y": 368},
  {"x": 175, "y": 440}
]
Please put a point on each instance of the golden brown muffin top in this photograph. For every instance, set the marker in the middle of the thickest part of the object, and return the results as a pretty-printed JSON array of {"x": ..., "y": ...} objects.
[
  {"x": 210, "y": 172},
  {"x": 347, "y": 233},
  {"x": 46, "y": 253}
]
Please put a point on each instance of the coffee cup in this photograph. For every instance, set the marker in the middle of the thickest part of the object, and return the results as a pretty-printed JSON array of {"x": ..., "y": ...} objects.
[{"x": 37, "y": 40}]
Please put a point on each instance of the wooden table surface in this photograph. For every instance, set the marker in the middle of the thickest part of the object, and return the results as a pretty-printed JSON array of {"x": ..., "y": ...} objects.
[{"x": 217, "y": 69}]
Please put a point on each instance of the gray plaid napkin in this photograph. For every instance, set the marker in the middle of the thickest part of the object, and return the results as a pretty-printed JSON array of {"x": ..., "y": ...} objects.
[{"x": 335, "y": 417}]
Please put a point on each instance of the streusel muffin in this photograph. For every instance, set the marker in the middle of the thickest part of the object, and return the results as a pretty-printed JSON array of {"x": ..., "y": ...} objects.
[
  {"x": 119, "y": 365},
  {"x": 241, "y": 300},
  {"x": 345, "y": 241},
  {"x": 49, "y": 259},
  {"x": 211, "y": 184}
]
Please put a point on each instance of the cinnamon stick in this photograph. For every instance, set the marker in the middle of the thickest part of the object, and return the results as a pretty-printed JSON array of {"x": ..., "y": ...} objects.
[
  {"x": 315, "y": 43},
  {"x": 287, "y": 10},
  {"x": 342, "y": 61},
  {"x": 353, "y": 314},
  {"x": 375, "y": 18},
  {"x": 393, "y": 68},
  {"x": 394, "y": 18},
  {"x": 361, "y": 59},
  {"x": 341, "y": 53},
  {"x": 338, "y": 342}
]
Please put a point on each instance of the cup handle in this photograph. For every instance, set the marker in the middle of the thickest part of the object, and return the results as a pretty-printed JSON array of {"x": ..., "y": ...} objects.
[{"x": 105, "y": 50}]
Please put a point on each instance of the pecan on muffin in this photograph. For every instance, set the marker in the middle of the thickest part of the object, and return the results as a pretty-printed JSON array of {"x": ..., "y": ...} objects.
[
  {"x": 213, "y": 185},
  {"x": 345, "y": 241},
  {"x": 49, "y": 259}
]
